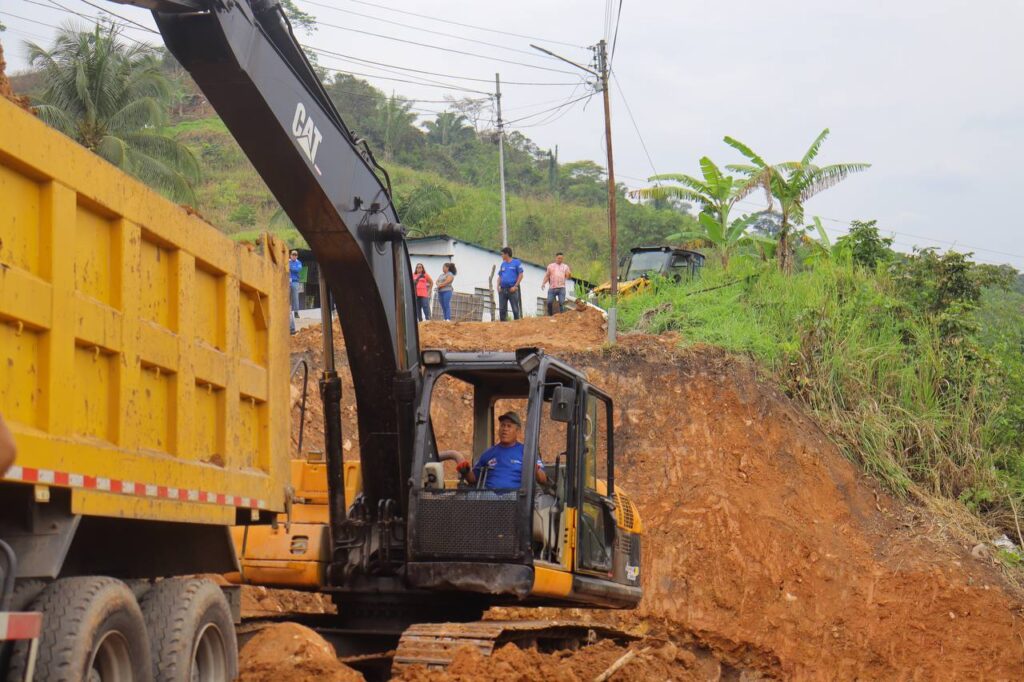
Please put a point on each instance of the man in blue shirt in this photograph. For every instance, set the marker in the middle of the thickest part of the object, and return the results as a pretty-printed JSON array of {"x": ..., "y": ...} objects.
[
  {"x": 510, "y": 274},
  {"x": 294, "y": 268},
  {"x": 501, "y": 465}
]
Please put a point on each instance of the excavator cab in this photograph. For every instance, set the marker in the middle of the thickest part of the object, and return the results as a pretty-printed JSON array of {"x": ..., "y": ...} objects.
[{"x": 574, "y": 540}]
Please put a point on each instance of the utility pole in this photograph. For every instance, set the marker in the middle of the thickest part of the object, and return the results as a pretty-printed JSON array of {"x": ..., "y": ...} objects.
[
  {"x": 602, "y": 64},
  {"x": 501, "y": 160},
  {"x": 602, "y": 75}
]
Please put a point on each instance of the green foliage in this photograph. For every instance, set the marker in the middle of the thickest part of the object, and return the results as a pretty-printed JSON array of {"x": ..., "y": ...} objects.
[
  {"x": 864, "y": 245},
  {"x": 715, "y": 195},
  {"x": 244, "y": 215},
  {"x": 792, "y": 183},
  {"x": 916, "y": 372},
  {"x": 112, "y": 97}
]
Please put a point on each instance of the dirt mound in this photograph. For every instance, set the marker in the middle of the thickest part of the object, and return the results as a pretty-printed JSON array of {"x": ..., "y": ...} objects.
[
  {"x": 260, "y": 601},
  {"x": 660, "y": 661},
  {"x": 762, "y": 544},
  {"x": 5, "y": 85},
  {"x": 288, "y": 652}
]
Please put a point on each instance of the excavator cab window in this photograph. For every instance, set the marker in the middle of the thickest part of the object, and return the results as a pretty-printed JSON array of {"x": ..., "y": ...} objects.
[{"x": 596, "y": 475}]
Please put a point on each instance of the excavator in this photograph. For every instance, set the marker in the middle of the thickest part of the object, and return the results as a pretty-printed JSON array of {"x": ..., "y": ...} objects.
[{"x": 397, "y": 546}]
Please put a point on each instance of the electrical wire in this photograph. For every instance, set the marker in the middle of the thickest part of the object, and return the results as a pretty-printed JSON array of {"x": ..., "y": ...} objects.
[
  {"x": 633, "y": 119},
  {"x": 449, "y": 49},
  {"x": 415, "y": 28},
  {"x": 615, "y": 40},
  {"x": 123, "y": 19},
  {"x": 538, "y": 113},
  {"x": 404, "y": 78},
  {"x": 464, "y": 25},
  {"x": 433, "y": 73}
]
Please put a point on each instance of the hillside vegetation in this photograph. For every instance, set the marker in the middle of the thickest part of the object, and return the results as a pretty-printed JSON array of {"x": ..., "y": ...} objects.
[
  {"x": 913, "y": 364},
  {"x": 232, "y": 196}
]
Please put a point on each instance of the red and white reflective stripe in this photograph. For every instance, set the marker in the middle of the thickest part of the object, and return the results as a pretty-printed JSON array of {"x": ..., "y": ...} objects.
[
  {"x": 20, "y": 625},
  {"x": 114, "y": 485}
]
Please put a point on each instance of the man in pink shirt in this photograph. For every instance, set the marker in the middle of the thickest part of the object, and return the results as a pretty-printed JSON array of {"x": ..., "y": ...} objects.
[{"x": 556, "y": 276}]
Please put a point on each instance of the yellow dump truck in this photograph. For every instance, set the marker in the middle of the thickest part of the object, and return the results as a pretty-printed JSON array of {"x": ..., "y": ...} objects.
[{"x": 144, "y": 375}]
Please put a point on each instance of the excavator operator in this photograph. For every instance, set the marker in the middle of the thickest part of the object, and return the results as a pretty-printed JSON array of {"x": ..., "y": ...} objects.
[{"x": 501, "y": 465}]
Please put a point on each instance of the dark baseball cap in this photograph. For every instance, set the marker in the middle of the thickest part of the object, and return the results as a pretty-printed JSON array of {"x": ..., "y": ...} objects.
[{"x": 512, "y": 417}]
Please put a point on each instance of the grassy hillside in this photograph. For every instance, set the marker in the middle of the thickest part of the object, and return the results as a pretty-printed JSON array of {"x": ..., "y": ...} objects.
[
  {"x": 232, "y": 196},
  {"x": 914, "y": 366}
]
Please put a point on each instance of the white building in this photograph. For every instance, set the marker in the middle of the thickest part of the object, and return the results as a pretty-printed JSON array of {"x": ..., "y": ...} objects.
[{"x": 477, "y": 277}]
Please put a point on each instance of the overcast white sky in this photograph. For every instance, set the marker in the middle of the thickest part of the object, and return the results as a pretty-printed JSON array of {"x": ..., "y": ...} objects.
[{"x": 928, "y": 91}]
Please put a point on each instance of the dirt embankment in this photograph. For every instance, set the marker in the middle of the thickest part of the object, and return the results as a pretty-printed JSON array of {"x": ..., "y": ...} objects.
[
  {"x": 761, "y": 542},
  {"x": 5, "y": 85}
]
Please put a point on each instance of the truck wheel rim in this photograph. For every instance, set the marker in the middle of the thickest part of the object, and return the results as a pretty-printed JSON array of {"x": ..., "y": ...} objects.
[
  {"x": 209, "y": 658},
  {"x": 111, "y": 660}
]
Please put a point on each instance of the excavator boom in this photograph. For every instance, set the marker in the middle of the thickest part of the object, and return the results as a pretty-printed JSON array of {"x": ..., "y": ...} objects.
[{"x": 245, "y": 59}]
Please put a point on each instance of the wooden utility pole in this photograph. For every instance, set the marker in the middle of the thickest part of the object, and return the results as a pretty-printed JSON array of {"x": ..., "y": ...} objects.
[
  {"x": 602, "y": 75},
  {"x": 501, "y": 160}
]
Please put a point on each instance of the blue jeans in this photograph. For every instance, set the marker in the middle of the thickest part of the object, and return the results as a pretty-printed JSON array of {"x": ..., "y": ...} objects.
[
  {"x": 293, "y": 295},
  {"x": 444, "y": 296},
  {"x": 422, "y": 308},
  {"x": 504, "y": 298},
  {"x": 556, "y": 293}
]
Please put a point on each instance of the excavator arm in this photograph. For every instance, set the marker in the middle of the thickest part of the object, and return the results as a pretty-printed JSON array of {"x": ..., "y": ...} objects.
[{"x": 244, "y": 57}]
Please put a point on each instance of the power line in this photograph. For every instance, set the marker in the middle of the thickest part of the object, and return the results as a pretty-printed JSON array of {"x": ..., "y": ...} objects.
[
  {"x": 463, "y": 25},
  {"x": 556, "y": 114},
  {"x": 58, "y": 6},
  {"x": 414, "y": 28},
  {"x": 419, "y": 81},
  {"x": 124, "y": 19},
  {"x": 448, "y": 49},
  {"x": 430, "y": 73},
  {"x": 403, "y": 80},
  {"x": 564, "y": 104},
  {"x": 615, "y": 40},
  {"x": 631, "y": 118}
]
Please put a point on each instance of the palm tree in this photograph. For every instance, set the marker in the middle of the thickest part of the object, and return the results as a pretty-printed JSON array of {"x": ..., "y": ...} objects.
[
  {"x": 448, "y": 127},
  {"x": 112, "y": 98},
  {"x": 792, "y": 183},
  {"x": 715, "y": 195}
]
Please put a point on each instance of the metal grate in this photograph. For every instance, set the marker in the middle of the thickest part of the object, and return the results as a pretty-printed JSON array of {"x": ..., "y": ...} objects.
[
  {"x": 467, "y": 524},
  {"x": 624, "y": 510}
]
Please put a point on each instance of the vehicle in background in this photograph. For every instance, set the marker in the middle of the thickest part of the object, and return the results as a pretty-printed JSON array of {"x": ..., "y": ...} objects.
[{"x": 642, "y": 262}]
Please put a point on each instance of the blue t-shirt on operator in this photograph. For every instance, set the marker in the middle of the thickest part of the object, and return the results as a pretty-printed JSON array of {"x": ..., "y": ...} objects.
[
  {"x": 504, "y": 466},
  {"x": 294, "y": 268},
  {"x": 509, "y": 272}
]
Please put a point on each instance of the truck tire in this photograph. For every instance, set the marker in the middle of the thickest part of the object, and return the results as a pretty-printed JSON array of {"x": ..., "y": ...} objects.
[
  {"x": 92, "y": 630},
  {"x": 191, "y": 631}
]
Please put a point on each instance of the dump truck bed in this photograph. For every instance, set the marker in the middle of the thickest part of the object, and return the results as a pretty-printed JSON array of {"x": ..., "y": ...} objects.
[{"x": 143, "y": 354}]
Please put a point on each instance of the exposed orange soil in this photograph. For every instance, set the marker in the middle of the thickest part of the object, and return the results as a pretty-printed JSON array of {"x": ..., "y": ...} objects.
[
  {"x": 761, "y": 542},
  {"x": 259, "y": 601},
  {"x": 5, "y": 85},
  {"x": 289, "y": 652}
]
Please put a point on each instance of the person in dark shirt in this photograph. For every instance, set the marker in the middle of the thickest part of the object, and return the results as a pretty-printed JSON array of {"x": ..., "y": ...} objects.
[
  {"x": 510, "y": 274},
  {"x": 501, "y": 465}
]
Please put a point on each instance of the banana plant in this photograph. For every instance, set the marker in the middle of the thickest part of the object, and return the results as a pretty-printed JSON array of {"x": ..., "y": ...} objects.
[
  {"x": 715, "y": 195},
  {"x": 792, "y": 183}
]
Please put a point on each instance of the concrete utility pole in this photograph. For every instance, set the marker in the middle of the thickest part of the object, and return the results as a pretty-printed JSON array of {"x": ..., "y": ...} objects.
[
  {"x": 501, "y": 160},
  {"x": 602, "y": 63},
  {"x": 602, "y": 75}
]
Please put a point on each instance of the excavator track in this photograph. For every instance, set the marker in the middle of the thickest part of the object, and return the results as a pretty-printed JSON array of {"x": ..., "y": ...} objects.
[{"x": 434, "y": 644}]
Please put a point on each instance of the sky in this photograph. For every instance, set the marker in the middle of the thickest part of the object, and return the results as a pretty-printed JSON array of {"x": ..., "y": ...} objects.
[{"x": 927, "y": 91}]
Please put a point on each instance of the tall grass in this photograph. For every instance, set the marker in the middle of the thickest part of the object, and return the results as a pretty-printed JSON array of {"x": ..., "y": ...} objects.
[{"x": 924, "y": 418}]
